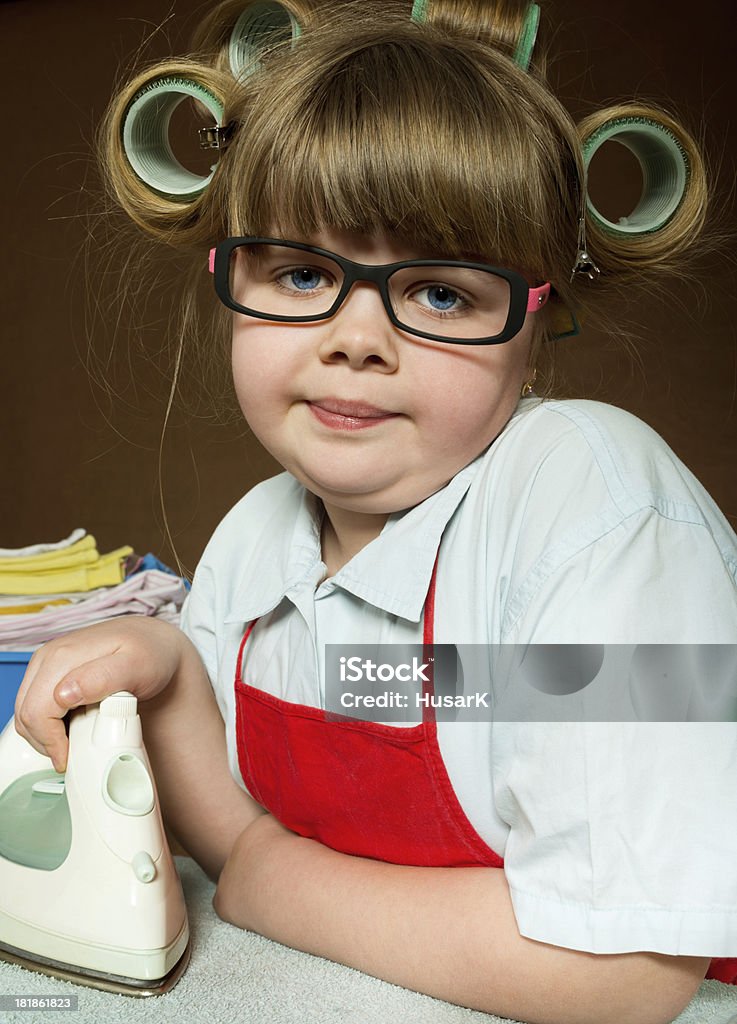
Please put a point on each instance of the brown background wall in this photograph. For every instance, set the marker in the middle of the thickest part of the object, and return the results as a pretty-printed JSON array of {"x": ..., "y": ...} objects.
[{"x": 70, "y": 455}]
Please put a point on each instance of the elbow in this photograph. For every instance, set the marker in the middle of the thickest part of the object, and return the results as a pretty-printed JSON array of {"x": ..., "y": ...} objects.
[
  {"x": 220, "y": 907},
  {"x": 226, "y": 908},
  {"x": 223, "y": 903}
]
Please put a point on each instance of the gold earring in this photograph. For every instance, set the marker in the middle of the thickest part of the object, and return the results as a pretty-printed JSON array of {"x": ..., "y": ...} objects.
[{"x": 528, "y": 385}]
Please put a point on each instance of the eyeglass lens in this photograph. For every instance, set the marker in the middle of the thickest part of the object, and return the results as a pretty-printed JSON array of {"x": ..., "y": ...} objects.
[{"x": 451, "y": 301}]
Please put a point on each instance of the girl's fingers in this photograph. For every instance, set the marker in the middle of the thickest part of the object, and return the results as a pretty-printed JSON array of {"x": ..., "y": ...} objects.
[
  {"x": 39, "y": 712},
  {"x": 52, "y": 741},
  {"x": 135, "y": 653},
  {"x": 28, "y": 677},
  {"x": 56, "y": 746}
]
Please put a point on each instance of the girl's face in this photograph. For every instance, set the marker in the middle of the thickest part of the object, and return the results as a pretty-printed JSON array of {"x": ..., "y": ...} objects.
[{"x": 368, "y": 418}]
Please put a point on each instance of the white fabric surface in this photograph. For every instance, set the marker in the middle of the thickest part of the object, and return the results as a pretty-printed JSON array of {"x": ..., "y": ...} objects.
[
  {"x": 45, "y": 547},
  {"x": 239, "y": 976},
  {"x": 577, "y": 525}
]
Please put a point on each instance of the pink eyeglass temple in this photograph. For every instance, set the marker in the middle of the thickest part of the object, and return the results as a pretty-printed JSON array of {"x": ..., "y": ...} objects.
[
  {"x": 538, "y": 297},
  {"x": 536, "y": 300}
]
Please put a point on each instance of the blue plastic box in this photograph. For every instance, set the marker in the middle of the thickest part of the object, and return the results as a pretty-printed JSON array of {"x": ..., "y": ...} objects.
[{"x": 12, "y": 669}]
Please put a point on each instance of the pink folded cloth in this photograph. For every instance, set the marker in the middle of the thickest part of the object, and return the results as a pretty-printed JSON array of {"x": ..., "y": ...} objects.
[{"x": 146, "y": 593}]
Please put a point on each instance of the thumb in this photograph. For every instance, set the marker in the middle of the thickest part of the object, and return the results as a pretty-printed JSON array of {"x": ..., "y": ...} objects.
[
  {"x": 86, "y": 684},
  {"x": 94, "y": 680},
  {"x": 68, "y": 693}
]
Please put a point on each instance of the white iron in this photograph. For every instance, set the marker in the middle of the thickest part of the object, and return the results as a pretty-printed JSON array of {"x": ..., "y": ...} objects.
[{"x": 88, "y": 887}]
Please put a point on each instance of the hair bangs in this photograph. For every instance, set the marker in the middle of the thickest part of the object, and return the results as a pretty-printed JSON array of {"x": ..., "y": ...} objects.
[{"x": 401, "y": 137}]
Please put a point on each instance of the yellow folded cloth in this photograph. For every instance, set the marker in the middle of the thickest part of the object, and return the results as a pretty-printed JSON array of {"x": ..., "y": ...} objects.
[
  {"x": 83, "y": 552},
  {"x": 28, "y": 609},
  {"x": 102, "y": 571}
]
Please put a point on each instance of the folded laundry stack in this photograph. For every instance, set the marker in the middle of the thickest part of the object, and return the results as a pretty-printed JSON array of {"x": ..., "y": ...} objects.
[
  {"x": 47, "y": 590},
  {"x": 50, "y": 589}
]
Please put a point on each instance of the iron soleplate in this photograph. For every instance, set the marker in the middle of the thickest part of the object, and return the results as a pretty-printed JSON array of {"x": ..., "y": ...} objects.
[{"x": 97, "y": 979}]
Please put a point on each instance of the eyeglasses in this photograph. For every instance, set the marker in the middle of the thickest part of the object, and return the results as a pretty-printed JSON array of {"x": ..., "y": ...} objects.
[{"x": 454, "y": 301}]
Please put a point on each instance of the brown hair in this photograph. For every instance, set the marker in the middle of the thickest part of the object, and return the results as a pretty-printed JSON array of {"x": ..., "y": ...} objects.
[{"x": 426, "y": 130}]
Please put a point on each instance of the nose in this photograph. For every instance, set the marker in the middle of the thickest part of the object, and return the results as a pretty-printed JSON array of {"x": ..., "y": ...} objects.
[{"x": 360, "y": 334}]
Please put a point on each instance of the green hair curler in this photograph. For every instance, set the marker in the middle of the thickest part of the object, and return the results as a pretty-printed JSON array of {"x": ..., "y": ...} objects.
[
  {"x": 526, "y": 44},
  {"x": 665, "y": 173},
  {"x": 145, "y": 136},
  {"x": 419, "y": 11},
  {"x": 261, "y": 25}
]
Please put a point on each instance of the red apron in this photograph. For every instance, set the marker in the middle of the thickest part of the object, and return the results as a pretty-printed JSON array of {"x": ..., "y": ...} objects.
[{"x": 363, "y": 788}]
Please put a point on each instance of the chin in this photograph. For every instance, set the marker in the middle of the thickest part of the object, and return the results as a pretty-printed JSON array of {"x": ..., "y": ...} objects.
[
  {"x": 379, "y": 499},
  {"x": 358, "y": 492},
  {"x": 371, "y": 500}
]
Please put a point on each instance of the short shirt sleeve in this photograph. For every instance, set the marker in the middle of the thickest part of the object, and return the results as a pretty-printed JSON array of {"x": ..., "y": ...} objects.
[
  {"x": 197, "y": 622},
  {"x": 623, "y": 834}
]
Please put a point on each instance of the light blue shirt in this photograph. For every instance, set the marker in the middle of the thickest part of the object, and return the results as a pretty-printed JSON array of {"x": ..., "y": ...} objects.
[{"x": 578, "y": 525}]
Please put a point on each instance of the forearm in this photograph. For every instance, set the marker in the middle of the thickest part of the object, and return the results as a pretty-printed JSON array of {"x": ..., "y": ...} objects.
[
  {"x": 184, "y": 733},
  {"x": 446, "y": 932}
]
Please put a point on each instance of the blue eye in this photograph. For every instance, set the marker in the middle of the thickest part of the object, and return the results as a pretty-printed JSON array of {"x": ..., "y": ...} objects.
[
  {"x": 306, "y": 278},
  {"x": 441, "y": 298}
]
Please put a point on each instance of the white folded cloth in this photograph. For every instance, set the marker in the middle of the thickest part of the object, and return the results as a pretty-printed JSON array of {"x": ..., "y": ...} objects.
[
  {"x": 151, "y": 592},
  {"x": 42, "y": 549}
]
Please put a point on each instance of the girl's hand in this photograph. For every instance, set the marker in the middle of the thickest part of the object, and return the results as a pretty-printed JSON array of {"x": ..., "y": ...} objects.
[{"x": 133, "y": 653}]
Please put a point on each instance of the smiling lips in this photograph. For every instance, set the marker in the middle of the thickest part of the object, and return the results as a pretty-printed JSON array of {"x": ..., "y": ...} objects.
[{"x": 342, "y": 415}]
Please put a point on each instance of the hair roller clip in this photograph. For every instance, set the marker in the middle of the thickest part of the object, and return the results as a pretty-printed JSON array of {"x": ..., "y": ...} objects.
[
  {"x": 216, "y": 136},
  {"x": 665, "y": 172},
  {"x": 584, "y": 265},
  {"x": 262, "y": 25},
  {"x": 146, "y": 135}
]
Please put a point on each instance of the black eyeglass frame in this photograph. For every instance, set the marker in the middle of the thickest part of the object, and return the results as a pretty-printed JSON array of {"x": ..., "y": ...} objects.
[{"x": 519, "y": 289}]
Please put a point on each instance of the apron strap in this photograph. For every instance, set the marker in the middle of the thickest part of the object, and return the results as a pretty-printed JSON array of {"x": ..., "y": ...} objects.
[
  {"x": 428, "y": 642},
  {"x": 239, "y": 662}
]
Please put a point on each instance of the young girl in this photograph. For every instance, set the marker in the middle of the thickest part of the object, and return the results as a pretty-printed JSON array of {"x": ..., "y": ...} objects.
[{"x": 400, "y": 228}]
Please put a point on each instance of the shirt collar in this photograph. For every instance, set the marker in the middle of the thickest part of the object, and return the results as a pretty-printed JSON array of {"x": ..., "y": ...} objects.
[
  {"x": 275, "y": 567},
  {"x": 392, "y": 572}
]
